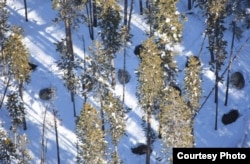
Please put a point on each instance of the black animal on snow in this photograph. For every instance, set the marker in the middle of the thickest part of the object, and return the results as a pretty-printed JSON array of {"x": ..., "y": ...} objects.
[
  {"x": 140, "y": 149},
  {"x": 230, "y": 117},
  {"x": 32, "y": 66},
  {"x": 137, "y": 50}
]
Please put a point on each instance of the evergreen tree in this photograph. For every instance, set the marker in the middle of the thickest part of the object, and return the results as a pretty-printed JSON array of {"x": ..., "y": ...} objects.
[
  {"x": 193, "y": 89},
  {"x": 90, "y": 136},
  {"x": 114, "y": 113},
  {"x": 68, "y": 64},
  {"x": 97, "y": 70},
  {"x": 176, "y": 118},
  {"x": 150, "y": 85},
  {"x": 24, "y": 156},
  {"x": 7, "y": 148},
  {"x": 215, "y": 12},
  {"x": 17, "y": 55},
  {"x": 16, "y": 111},
  {"x": 109, "y": 23},
  {"x": 193, "y": 83}
]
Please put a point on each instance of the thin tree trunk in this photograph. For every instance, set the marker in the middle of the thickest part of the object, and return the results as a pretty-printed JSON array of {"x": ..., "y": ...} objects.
[
  {"x": 56, "y": 133},
  {"x": 20, "y": 89},
  {"x": 141, "y": 7},
  {"x": 26, "y": 12},
  {"x": 90, "y": 19},
  {"x": 148, "y": 136},
  {"x": 69, "y": 42},
  {"x": 216, "y": 95},
  {"x": 230, "y": 63},
  {"x": 125, "y": 12},
  {"x": 5, "y": 90},
  {"x": 124, "y": 68},
  {"x": 43, "y": 139},
  {"x": 73, "y": 102},
  {"x": 130, "y": 14},
  {"x": 94, "y": 13},
  {"x": 113, "y": 79},
  {"x": 189, "y": 4},
  {"x": 84, "y": 65}
]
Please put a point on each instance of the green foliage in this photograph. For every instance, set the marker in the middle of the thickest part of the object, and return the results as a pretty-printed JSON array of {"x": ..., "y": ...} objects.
[
  {"x": 7, "y": 148},
  {"x": 150, "y": 74},
  {"x": 16, "y": 109},
  {"x": 109, "y": 23},
  {"x": 24, "y": 156},
  {"x": 176, "y": 118},
  {"x": 90, "y": 136},
  {"x": 17, "y": 55},
  {"x": 168, "y": 21},
  {"x": 193, "y": 83},
  {"x": 68, "y": 66},
  {"x": 4, "y": 26},
  {"x": 114, "y": 111}
]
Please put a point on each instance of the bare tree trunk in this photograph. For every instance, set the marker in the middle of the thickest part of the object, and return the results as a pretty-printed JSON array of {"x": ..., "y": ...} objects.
[
  {"x": 5, "y": 90},
  {"x": 56, "y": 133},
  {"x": 124, "y": 68},
  {"x": 90, "y": 19},
  {"x": 230, "y": 63},
  {"x": 69, "y": 42},
  {"x": 148, "y": 136},
  {"x": 130, "y": 14},
  {"x": 113, "y": 79},
  {"x": 73, "y": 102},
  {"x": 43, "y": 139},
  {"x": 141, "y": 7},
  {"x": 26, "y": 12},
  {"x": 125, "y": 12},
  {"x": 84, "y": 65},
  {"x": 189, "y": 4},
  {"x": 94, "y": 13},
  {"x": 216, "y": 95}
]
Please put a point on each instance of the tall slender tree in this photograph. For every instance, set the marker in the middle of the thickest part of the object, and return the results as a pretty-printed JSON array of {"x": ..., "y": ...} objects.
[
  {"x": 109, "y": 23},
  {"x": 90, "y": 136},
  {"x": 68, "y": 15},
  {"x": 17, "y": 56},
  {"x": 150, "y": 85},
  {"x": 216, "y": 12},
  {"x": 114, "y": 112}
]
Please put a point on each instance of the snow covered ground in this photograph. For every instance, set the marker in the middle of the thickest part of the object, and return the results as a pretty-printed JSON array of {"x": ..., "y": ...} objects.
[{"x": 41, "y": 34}]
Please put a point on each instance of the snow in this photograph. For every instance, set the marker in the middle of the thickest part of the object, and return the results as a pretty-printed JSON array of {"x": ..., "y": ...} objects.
[{"x": 40, "y": 34}]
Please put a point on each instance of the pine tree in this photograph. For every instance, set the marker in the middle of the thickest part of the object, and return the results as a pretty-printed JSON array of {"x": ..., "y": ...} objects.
[
  {"x": 193, "y": 88},
  {"x": 4, "y": 29},
  {"x": 17, "y": 55},
  {"x": 7, "y": 148},
  {"x": 97, "y": 70},
  {"x": 68, "y": 14},
  {"x": 109, "y": 23},
  {"x": 90, "y": 136},
  {"x": 16, "y": 111},
  {"x": 24, "y": 156},
  {"x": 215, "y": 12},
  {"x": 150, "y": 85},
  {"x": 176, "y": 118},
  {"x": 114, "y": 112},
  {"x": 193, "y": 83}
]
